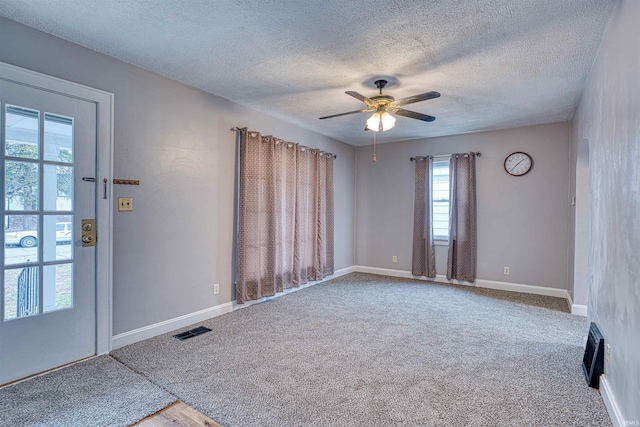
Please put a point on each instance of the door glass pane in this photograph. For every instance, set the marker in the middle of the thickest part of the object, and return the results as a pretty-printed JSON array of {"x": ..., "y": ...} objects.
[
  {"x": 21, "y": 239},
  {"x": 21, "y": 292},
  {"x": 58, "y": 287},
  {"x": 21, "y": 186},
  {"x": 22, "y": 132},
  {"x": 38, "y": 182},
  {"x": 58, "y": 188},
  {"x": 58, "y": 138},
  {"x": 57, "y": 237}
]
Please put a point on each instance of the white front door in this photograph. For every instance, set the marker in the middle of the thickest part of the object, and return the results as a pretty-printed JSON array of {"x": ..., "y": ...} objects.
[{"x": 48, "y": 278}]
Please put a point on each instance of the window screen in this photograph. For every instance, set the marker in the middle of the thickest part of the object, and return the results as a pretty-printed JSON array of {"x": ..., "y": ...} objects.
[{"x": 441, "y": 198}]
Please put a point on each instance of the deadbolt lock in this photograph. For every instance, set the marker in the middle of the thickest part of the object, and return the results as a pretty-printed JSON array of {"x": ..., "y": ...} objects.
[{"x": 89, "y": 232}]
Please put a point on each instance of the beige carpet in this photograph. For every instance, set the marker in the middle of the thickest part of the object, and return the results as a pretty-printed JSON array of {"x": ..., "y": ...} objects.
[
  {"x": 99, "y": 392},
  {"x": 365, "y": 350}
]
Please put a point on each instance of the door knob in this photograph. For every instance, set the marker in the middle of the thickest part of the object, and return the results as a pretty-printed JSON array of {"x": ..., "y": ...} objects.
[{"x": 89, "y": 232}]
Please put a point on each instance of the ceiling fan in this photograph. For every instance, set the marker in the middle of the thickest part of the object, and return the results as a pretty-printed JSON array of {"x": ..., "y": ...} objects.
[{"x": 384, "y": 106}]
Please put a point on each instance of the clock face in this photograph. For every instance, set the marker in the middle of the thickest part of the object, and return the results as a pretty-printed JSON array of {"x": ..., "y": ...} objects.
[{"x": 518, "y": 164}]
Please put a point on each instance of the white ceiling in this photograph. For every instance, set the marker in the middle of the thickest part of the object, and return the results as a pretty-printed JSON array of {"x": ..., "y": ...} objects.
[{"x": 497, "y": 63}]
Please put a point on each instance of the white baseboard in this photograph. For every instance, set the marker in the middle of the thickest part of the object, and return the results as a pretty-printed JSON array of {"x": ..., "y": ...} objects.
[
  {"x": 480, "y": 283},
  {"x": 383, "y": 271},
  {"x": 169, "y": 325},
  {"x": 336, "y": 274},
  {"x": 579, "y": 309},
  {"x": 610, "y": 403}
]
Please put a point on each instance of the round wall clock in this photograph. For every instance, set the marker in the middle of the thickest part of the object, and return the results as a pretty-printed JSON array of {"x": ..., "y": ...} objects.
[{"x": 518, "y": 163}]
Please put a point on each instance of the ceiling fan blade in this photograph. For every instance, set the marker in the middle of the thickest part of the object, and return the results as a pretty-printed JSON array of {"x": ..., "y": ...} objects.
[
  {"x": 414, "y": 115},
  {"x": 345, "y": 114},
  {"x": 416, "y": 98},
  {"x": 362, "y": 98}
]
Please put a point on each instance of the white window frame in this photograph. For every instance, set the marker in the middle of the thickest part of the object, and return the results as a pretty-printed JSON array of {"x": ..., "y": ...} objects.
[{"x": 440, "y": 240}]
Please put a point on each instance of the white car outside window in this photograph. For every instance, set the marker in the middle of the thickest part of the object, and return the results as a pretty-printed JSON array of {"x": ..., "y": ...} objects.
[{"x": 29, "y": 239}]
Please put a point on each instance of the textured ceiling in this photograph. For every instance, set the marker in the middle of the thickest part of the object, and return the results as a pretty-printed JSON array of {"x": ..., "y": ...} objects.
[{"x": 497, "y": 63}]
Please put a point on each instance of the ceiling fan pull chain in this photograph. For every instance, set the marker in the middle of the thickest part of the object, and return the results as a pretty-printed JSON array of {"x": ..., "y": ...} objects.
[{"x": 374, "y": 147}]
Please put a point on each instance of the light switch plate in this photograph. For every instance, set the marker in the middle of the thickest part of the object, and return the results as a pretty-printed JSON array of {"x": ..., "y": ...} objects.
[{"x": 125, "y": 204}]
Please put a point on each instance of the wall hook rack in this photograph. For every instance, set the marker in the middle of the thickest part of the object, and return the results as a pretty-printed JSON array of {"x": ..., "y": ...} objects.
[{"x": 126, "y": 181}]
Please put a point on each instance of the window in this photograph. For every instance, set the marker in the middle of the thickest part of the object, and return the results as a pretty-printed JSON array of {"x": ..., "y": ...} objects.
[{"x": 441, "y": 198}]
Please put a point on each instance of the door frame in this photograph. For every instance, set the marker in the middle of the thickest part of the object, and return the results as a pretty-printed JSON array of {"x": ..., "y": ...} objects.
[{"x": 104, "y": 102}]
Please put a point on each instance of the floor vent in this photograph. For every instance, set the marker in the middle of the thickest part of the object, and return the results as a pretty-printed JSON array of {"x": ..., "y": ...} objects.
[
  {"x": 593, "y": 361},
  {"x": 192, "y": 333}
]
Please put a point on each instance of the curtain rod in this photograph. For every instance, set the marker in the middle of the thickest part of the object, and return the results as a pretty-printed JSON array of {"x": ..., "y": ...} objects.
[
  {"x": 237, "y": 129},
  {"x": 477, "y": 153}
]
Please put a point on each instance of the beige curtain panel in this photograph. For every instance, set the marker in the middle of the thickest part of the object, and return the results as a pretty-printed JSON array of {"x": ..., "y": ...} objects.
[
  {"x": 423, "y": 262},
  {"x": 461, "y": 263},
  {"x": 285, "y": 216}
]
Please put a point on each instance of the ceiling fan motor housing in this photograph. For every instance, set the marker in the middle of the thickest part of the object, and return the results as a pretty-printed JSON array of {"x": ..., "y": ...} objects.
[{"x": 382, "y": 99}]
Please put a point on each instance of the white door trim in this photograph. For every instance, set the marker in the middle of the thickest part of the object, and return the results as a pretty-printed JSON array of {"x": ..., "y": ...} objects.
[{"x": 104, "y": 170}]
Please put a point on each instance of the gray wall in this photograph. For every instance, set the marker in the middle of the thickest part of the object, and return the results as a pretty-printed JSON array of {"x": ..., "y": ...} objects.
[
  {"x": 608, "y": 116},
  {"x": 522, "y": 221},
  {"x": 177, "y": 242}
]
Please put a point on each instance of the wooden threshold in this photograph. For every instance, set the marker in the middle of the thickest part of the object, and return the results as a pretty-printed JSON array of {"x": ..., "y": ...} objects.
[{"x": 177, "y": 414}]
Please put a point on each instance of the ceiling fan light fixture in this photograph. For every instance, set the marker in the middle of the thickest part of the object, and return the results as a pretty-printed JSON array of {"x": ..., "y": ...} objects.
[
  {"x": 388, "y": 121},
  {"x": 373, "y": 123}
]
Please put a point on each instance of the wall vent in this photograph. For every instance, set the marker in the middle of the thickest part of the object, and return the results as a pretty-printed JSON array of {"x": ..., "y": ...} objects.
[
  {"x": 593, "y": 360},
  {"x": 192, "y": 333}
]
